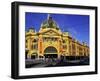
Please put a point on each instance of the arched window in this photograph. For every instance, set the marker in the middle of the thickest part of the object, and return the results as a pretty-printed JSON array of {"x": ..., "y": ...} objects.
[
  {"x": 64, "y": 41},
  {"x": 34, "y": 40},
  {"x": 26, "y": 41}
]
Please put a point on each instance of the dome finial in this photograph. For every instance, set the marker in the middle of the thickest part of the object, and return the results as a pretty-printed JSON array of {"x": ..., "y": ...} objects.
[{"x": 48, "y": 16}]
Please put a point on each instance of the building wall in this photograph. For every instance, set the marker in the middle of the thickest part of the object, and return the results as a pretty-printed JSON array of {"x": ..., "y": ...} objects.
[{"x": 37, "y": 42}]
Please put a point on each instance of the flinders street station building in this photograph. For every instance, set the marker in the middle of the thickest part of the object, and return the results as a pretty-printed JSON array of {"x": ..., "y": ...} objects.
[{"x": 51, "y": 42}]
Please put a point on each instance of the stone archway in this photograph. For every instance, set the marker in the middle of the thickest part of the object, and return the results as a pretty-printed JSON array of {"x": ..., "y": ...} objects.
[{"x": 50, "y": 52}]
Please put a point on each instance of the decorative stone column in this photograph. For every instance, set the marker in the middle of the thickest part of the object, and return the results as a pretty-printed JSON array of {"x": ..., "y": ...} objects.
[{"x": 40, "y": 46}]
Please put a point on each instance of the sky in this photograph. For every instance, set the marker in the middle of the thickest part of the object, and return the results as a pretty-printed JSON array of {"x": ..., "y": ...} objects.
[{"x": 76, "y": 25}]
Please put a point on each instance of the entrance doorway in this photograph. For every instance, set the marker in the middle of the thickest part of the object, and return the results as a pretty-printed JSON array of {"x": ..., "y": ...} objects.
[
  {"x": 50, "y": 52},
  {"x": 26, "y": 53},
  {"x": 34, "y": 56}
]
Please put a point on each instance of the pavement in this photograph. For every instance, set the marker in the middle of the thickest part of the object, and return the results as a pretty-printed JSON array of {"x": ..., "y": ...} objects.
[{"x": 54, "y": 63}]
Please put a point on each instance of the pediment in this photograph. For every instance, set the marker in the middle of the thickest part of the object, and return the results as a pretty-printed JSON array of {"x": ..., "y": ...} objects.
[{"x": 51, "y": 32}]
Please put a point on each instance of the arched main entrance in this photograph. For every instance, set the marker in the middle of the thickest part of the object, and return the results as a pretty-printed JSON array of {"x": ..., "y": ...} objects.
[{"x": 50, "y": 52}]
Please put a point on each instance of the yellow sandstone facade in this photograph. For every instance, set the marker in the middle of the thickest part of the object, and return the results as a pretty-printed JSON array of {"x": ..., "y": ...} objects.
[{"x": 51, "y": 41}]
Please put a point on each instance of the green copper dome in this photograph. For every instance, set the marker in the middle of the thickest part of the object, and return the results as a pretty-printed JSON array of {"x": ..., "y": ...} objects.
[{"x": 49, "y": 23}]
